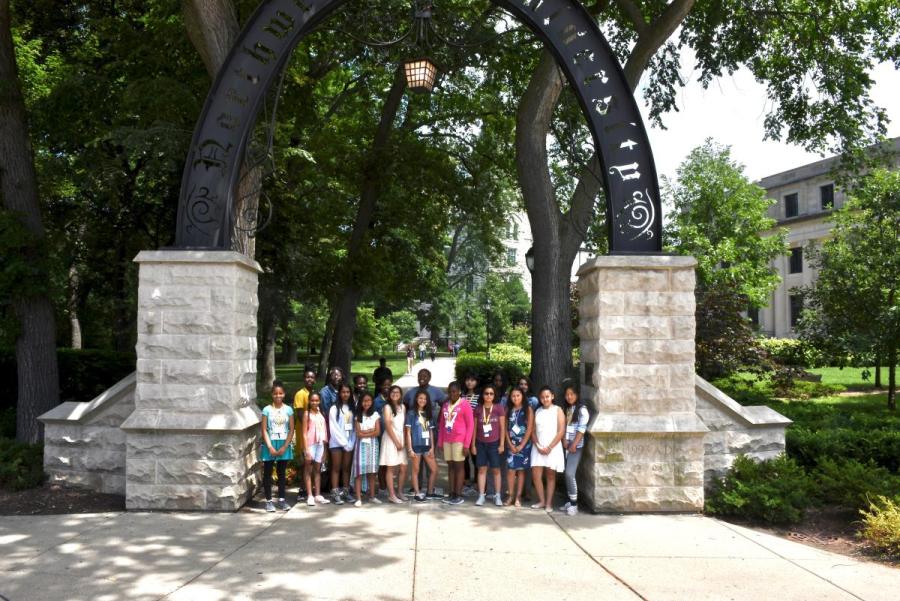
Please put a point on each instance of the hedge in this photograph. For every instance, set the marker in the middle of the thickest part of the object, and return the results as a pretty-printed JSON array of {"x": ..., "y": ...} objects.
[
  {"x": 799, "y": 353},
  {"x": 83, "y": 374},
  {"x": 513, "y": 361}
]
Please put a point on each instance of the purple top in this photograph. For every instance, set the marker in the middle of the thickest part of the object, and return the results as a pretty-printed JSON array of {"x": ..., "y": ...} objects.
[{"x": 483, "y": 419}]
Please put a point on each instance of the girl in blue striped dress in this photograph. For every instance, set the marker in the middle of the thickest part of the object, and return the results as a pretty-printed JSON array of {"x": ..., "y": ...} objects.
[{"x": 365, "y": 456}]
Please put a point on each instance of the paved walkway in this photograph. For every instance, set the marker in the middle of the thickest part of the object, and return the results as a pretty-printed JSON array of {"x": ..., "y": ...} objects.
[
  {"x": 430, "y": 552},
  {"x": 441, "y": 373}
]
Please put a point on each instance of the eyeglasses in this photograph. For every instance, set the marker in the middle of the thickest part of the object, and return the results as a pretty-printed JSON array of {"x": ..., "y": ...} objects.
[{"x": 488, "y": 394}]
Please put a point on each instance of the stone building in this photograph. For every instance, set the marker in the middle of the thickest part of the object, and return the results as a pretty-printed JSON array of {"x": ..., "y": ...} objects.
[{"x": 805, "y": 198}]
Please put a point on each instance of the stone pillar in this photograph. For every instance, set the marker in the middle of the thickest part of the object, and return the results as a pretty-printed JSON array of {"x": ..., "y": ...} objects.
[
  {"x": 645, "y": 449},
  {"x": 191, "y": 442}
]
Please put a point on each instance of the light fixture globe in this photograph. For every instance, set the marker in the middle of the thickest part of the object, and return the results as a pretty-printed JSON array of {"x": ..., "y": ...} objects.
[
  {"x": 529, "y": 259},
  {"x": 421, "y": 73}
]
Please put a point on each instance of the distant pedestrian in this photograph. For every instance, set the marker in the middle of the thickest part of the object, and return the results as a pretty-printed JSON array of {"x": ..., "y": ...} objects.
[
  {"x": 432, "y": 350},
  {"x": 410, "y": 357},
  {"x": 277, "y": 445}
]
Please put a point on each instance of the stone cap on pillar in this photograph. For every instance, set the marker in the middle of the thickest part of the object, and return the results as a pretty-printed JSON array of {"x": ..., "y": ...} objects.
[
  {"x": 641, "y": 261},
  {"x": 160, "y": 420},
  {"x": 198, "y": 256}
]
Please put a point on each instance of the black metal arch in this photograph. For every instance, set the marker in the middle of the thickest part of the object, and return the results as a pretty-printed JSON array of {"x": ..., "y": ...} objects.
[{"x": 212, "y": 170}]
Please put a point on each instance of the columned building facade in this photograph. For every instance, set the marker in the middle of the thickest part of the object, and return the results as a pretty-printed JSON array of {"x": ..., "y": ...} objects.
[{"x": 805, "y": 198}]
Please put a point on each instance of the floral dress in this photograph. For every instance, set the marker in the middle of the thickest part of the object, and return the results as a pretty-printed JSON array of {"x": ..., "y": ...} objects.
[{"x": 518, "y": 425}]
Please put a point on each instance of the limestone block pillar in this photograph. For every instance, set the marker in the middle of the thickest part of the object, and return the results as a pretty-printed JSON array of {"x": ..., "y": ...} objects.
[
  {"x": 636, "y": 323},
  {"x": 191, "y": 442}
]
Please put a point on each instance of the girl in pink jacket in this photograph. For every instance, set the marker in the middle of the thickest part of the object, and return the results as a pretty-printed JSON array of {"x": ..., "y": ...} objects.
[{"x": 455, "y": 430}]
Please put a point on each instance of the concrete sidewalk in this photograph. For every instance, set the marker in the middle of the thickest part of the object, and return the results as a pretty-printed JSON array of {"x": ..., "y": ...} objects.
[
  {"x": 442, "y": 373},
  {"x": 431, "y": 552}
]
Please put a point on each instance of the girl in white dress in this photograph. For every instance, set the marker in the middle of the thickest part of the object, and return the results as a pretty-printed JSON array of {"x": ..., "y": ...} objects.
[
  {"x": 392, "y": 444},
  {"x": 547, "y": 453}
]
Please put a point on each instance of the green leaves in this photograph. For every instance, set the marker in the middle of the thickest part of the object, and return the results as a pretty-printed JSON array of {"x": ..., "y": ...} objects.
[{"x": 718, "y": 217}]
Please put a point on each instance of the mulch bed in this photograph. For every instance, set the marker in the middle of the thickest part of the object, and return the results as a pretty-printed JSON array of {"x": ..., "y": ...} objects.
[
  {"x": 830, "y": 529},
  {"x": 55, "y": 498}
]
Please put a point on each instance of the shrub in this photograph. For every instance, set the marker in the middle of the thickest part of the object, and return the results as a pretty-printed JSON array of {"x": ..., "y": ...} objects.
[
  {"x": 810, "y": 446},
  {"x": 8, "y": 422},
  {"x": 849, "y": 483},
  {"x": 789, "y": 351},
  {"x": 520, "y": 336},
  {"x": 511, "y": 360},
  {"x": 21, "y": 465},
  {"x": 774, "y": 491},
  {"x": 83, "y": 374},
  {"x": 881, "y": 525}
]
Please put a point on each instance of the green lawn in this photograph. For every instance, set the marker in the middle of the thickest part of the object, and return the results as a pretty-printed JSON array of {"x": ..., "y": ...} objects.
[
  {"x": 850, "y": 378},
  {"x": 292, "y": 375}
]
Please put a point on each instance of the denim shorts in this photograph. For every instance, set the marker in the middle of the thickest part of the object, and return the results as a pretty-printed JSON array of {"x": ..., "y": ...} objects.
[
  {"x": 421, "y": 449},
  {"x": 488, "y": 454}
]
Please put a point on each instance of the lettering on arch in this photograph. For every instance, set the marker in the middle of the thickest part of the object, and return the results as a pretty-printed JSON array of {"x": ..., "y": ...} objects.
[{"x": 212, "y": 169}]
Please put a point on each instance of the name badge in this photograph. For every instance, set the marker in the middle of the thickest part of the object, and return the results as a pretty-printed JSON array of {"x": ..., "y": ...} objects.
[
  {"x": 425, "y": 436},
  {"x": 348, "y": 426},
  {"x": 487, "y": 428},
  {"x": 516, "y": 429},
  {"x": 365, "y": 441}
]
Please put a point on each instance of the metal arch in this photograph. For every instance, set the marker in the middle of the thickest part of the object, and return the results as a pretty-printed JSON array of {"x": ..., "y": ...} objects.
[{"x": 211, "y": 172}]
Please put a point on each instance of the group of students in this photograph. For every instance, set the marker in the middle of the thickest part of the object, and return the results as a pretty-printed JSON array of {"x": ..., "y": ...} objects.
[{"x": 365, "y": 442}]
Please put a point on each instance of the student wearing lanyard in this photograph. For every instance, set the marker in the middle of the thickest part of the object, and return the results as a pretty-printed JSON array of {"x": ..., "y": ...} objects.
[
  {"x": 519, "y": 426},
  {"x": 420, "y": 442},
  {"x": 577, "y": 417},
  {"x": 342, "y": 440},
  {"x": 489, "y": 442},
  {"x": 455, "y": 434},
  {"x": 470, "y": 395}
]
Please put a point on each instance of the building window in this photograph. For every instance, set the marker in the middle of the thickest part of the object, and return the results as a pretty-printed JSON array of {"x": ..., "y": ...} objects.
[
  {"x": 753, "y": 316},
  {"x": 826, "y": 193},
  {"x": 515, "y": 233},
  {"x": 796, "y": 309},
  {"x": 796, "y": 264},
  {"x": 791, "y": 205},
  {"x": 510, "y": 257}
]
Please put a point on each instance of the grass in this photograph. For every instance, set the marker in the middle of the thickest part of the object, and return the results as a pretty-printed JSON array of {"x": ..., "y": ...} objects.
[
  {"x": 851, "y": 378},
  {"x": 292, "y": 375}
]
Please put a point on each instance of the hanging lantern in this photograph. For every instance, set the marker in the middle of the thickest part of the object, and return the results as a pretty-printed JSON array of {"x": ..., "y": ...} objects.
[{"x": 420, "y": 73}]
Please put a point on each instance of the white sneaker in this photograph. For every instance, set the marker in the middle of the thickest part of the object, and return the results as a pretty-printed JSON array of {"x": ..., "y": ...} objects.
[
  {"x": 357, "y": 503},
  {"x": 572, "y": 510},
  {"x": 322, "y": 500},
  {"x": 565, "y": 507},
  {"x": 498, "y": 501},
  {"x": 310, "y": 501},
  {"x": 480, "y": 500},
  {"x": 375, "y": 500}
]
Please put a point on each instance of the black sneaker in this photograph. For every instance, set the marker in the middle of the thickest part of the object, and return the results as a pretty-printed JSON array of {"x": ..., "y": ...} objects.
[
  {"x": 421, "y": 497},
  {"x": 434, "y": 495},
  {"x": 456, "y": 501}
]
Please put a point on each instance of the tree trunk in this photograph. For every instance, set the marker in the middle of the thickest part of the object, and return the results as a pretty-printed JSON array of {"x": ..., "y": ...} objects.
[
  {"x": 377, "y": 163},
  {"x": 36, "y": 368},
  {"x": 267, "y": 370},
  {"x": 345, "y": 328},
  {"x": 892, "y": 378},
  {"x": 877, "y": 370},
  {"x": 74, "y": 302},
  {"x": 289, "y": 353},
  {"x": 326, "y": 343}
]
